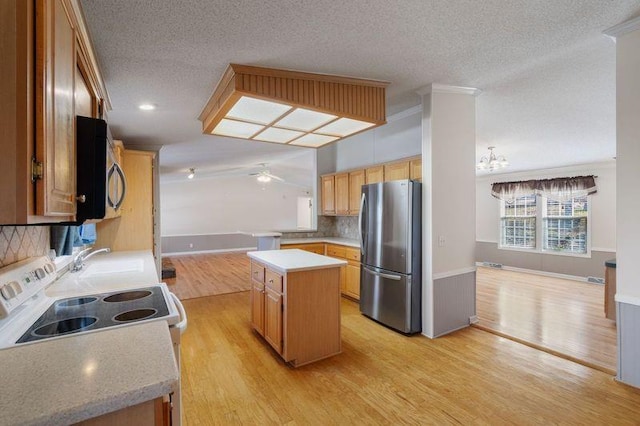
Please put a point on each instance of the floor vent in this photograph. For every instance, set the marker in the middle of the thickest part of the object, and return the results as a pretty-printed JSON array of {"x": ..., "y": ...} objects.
[
  {"x": 595, "y": 280},
  {"x": 492, "y": 265}
]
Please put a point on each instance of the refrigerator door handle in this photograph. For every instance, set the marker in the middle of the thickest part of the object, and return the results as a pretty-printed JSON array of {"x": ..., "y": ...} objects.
[
  {"x": 383, "y": 275},
  {"x": 360, "y": 216}
]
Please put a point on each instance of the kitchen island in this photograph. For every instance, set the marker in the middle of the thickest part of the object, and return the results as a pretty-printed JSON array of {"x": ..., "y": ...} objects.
[{"x": 295, "y": 303}]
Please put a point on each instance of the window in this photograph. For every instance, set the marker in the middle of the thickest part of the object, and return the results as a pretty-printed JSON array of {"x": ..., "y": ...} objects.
[
  {"x": 565, "y": 226},
  {"x": 540, "y": 224},
  {"x": 519, "y": 223}
]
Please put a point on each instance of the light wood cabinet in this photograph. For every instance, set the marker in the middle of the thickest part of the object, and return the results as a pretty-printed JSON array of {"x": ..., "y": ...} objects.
[
  {"x": 273, "y": 308},
  {"x": 352, "y": 280},
  {"x": 415, "y": 169},
  {"x": 42, "y": 43},
  {"x": 350, "y": 274},
  {"x": 301, "y": 312},
  {"x": 374, "y": 174},
  {"x": 257, "y": 297},
  {"x": 317, "y": 248},
  {"x": 342, "y": 194},
  {"x": 151, "y": 413},
  {"x": 328, "y": 195},
  {"x": 55, "y": 109},
  {"x": 356, "y": 180},
  {"x": 610, "y": 293},
  {"x": 133, "y": 230},
  {"x": 396, "y": 171}
]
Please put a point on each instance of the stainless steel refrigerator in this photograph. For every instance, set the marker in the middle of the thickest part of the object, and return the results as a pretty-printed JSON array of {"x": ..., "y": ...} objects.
[{"x": 391, "y": 246}]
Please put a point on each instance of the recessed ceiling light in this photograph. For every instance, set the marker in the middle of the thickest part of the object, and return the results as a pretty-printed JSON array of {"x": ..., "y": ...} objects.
[{"x": 147, "y": 107}]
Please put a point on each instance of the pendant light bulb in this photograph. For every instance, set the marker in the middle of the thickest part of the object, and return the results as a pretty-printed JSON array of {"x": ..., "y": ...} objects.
[{"x": 192, "y": 173}]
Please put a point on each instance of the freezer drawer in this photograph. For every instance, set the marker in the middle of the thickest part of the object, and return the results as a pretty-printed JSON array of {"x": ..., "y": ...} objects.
[{"x": 390, "y": 298}]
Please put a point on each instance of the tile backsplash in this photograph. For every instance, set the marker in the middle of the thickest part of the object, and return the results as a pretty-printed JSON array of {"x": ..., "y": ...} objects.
[
  {"x": 21, "y": 242},
  {"x": 347, "y": 227},
  {"x": 330, "y": 226}
]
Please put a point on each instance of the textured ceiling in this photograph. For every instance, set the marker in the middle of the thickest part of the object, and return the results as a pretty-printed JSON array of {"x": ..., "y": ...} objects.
[{"x": 546, "y": 71}]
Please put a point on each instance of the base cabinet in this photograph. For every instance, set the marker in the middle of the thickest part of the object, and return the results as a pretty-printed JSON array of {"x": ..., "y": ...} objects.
[
  {"x": 156, "y": 412},
  {"x": 273, "y": 319},
  {"x": 297, "y": 313},
  {"x": 317, "y": 248},
  {"x": 350, "y": 273}
]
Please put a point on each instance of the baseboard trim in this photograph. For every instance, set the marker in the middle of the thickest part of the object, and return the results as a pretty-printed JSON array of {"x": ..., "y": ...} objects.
[
  {"x": 188, "y": 253},
  {"x": 543, "y": 273}
]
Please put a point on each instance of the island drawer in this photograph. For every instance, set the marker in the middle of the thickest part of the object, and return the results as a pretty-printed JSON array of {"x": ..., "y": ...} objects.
[
  {"x": 274, "y": 281},
  {"x": 257, "y": 272}
]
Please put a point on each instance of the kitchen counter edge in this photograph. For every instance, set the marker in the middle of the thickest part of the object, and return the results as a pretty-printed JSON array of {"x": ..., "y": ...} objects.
[
  {"x": 295, "y": 260},
  {"x": 72, "y": 367}
]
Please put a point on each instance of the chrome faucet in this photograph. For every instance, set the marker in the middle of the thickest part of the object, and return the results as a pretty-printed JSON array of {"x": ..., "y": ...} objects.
[{"x": 78, "y": 261}]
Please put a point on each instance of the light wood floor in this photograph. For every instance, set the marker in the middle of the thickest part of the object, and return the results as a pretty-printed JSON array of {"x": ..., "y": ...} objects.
[
  {"x": 563, "y": 316},
  {"x": 202, "y": 275},
  {"x": 230, "y": 376}
]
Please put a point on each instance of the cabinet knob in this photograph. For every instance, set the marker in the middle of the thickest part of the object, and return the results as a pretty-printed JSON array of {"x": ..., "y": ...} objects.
[{"x": 81, "y": 198}]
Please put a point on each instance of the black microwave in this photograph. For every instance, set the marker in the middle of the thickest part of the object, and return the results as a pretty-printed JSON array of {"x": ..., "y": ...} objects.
[{"x": 100, "y": 180}]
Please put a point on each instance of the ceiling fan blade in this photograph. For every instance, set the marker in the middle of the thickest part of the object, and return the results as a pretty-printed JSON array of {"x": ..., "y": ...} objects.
[{"x": 278, "y": 178}]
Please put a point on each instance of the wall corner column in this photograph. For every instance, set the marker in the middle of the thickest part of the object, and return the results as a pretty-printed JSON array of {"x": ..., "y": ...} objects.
[
  {"x": 627, "y": 38},
  {"x": 449, "y": 184}
]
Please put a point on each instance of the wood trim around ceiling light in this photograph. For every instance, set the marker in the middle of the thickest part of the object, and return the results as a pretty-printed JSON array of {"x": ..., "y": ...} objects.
[{"x": 356, "y": 98}]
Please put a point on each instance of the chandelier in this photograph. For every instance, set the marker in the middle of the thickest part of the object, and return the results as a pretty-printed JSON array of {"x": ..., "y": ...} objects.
[{"x": 492, "y": 161}]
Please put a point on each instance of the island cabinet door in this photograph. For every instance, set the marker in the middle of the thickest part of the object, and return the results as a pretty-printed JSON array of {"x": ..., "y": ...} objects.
[
  {"x": 273, "y": 319},
  {"x": 257, "y": 306}
]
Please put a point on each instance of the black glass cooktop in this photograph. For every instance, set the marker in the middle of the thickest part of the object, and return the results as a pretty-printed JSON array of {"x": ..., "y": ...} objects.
[{"x": 85, "y": 313}]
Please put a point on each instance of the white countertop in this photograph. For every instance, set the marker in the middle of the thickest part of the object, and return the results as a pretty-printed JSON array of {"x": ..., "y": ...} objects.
[
  {"x": 64, "y": 381},
  {"x": 108, "y": 272},
  {"x": 260, "y": 234},
  {"x": 332, "y": 240},
  {"x": 294, "y": 260}
]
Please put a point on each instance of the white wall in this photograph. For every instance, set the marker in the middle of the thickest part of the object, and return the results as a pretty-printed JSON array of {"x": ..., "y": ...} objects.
[
  {"x": 603, "y": 203},
  {"x": 452, "y": 158},
  {"x": 628, "y": 151},
  {"x": 225, "y": 205},
  {"x": 399, "y": 138}
]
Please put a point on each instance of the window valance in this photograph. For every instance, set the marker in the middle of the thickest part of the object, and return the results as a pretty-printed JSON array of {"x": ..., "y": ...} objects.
[{"x": 558, "y": 189}]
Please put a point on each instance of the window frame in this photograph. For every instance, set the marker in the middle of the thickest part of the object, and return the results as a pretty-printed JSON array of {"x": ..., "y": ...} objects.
[{"x": 541, "y": 208}]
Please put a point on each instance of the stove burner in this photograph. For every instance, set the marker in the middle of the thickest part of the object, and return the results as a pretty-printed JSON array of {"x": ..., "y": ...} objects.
[
  {"x": 135, "y": 315},
  {"x": 127, "y": 296},
  {"x": 64, "y": 326},
  {"x": 76, "y": 302}
]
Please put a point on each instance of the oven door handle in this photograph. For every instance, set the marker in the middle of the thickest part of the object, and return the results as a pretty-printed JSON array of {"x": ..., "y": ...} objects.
[{"x": 182, "y": 324}]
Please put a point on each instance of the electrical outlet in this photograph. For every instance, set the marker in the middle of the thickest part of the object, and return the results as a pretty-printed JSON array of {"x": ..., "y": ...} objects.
[
  {"x": 190, "y": 245},
  {"x": 441, "y": 241}
]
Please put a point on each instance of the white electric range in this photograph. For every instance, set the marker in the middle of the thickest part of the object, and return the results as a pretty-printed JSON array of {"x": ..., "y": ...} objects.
[
  {"x": 112, "y": 291},
  {"x": 28, "y": 314}
]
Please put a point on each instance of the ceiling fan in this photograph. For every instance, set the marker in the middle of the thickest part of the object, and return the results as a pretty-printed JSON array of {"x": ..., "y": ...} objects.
[{"x": 265, "y": 176}]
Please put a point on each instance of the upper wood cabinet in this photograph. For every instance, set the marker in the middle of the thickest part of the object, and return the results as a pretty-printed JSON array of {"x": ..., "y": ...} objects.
[
  {"x": 342, "y": 194},
  {"x": 356, "y": 180},
  {"x": 328, "y": 195},
  {"x": 55, "y": 109},
  {"x": 415, "y": 169},
  {"x": 374, "y": 174},
  {"x": 396, "y": 171},
  {"x": 41, "y": 43}
]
